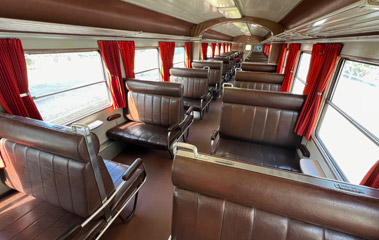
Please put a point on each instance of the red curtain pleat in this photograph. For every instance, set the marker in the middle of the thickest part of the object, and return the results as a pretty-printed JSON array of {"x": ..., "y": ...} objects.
[
  {"x": 204, "y": 49},
  {"x": 223, "y": 48},
  {"x": 293, "y": 53},
  {"x": 127, "y": 52},
  {"x": 111, "y": 57},
  {"x": 213, "y": 46},
  {"x": 219, "y": 49},
  {"x": 14, "y": 80},
  {"x": 230, "y": 47},
  {"x": 187, "y": 49},
  {"x": 281, "y": 59},
  {"x": 371, "y": 179},
  {"x": 323, "y": 60},
  {"x": 166, "y": 52}
]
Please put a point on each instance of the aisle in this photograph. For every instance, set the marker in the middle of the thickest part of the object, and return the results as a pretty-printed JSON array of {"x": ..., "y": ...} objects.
[{"x": 152, "y": 220}]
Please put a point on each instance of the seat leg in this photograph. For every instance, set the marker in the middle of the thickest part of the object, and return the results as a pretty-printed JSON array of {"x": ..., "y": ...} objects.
[
  {"x": 201, "y": 114},
  {"x": 127, "y": 218},
  {"x": 171, "y": 154}
]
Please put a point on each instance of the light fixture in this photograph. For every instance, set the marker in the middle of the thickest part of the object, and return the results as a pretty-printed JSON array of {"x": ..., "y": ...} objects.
[
  {"x": 222, "y": 3},
  {"x": 319, "y": 22},
  {"x": 243, "y": 28},
  {"x": 231, "y": 12}
]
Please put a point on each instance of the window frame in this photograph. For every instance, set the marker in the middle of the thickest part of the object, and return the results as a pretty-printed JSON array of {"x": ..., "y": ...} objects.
[
  {"x": 158, "y": 59},
  {"x": 328, "y": 102},
  {"x": 106, "y": 80}
]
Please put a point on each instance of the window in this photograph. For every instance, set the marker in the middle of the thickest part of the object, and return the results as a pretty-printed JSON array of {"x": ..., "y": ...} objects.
[
  {"x": 284, "y": 62},
  {"x": 179, "y": 57},
  {"x": 209, "y": 51},
  {"x": 67, "y": 86},
  {"x": 349, "y": 128},
  {"x": 248, "y": 47},
  {"x": 146, "y": 64},
  {"x": 301, "y": 74}
]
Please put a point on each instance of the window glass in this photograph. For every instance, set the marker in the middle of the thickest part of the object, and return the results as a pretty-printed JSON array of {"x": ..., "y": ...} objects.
[
  {"x": 357, "y": 93},
  {"x": 301, "y": 74},
  {"x": 209, "y": 51},
  {"x": 353, "y": 106},
  {"x": 284, "y": 63},
  {"x": 179, "y": 57},
  {"x": 146, "y": 65},
  {"x": 67, "y": 86}
]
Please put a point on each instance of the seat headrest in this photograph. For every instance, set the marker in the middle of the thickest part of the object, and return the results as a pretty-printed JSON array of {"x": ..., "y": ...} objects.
[
  {"x": 207, "y": 63},
  {"x": 189, "y": 72},
  {"x": 155, "y": 88},
  {"x": 246, "y": 76},
  {"x": 225, "y": 59},
  {"x": 55, "y": 139},
  {"x": 260, "y": 98}
]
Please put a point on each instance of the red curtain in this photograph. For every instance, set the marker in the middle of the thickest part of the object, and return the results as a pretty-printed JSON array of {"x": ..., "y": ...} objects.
[
  {"x": 204, "y": 49},
  {"x": 293, "y": 53},
  {"x": 14, "y": 80},
  {"x": 266, "y": 50},
  {"x": 219, "y": 49},
  {"x": 281, "y": 59},
  {"x": 230, "y": 47},
  {"x": 166, "y": 52},
  {"x": 323, "y": 60},
  {"x": 127, "y": 52},
  {"x": 187, "y": 49},
  {"x": 111, "y": 57},
  {"x": 213, "y": 46},
  {"x": 372, "y": 177},
  {"x": 223, "y": 48}
]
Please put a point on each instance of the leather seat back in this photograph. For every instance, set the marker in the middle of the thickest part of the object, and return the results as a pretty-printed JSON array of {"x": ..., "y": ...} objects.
[
  {"x": 215, "y": 70},
  {"x": 194, "y": 81},
  {"x": 225, "y": 60},
  {"x": 258, "y": 67},
  {"x": 52, "y": 164},
  {"x": 157, "y": 103},
  {"x": 261, "y": 116},
  {"x": 259, "y": 80},
  {"x": 253, "y": 202}
]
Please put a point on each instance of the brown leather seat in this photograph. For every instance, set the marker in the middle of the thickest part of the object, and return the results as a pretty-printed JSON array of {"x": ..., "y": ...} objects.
[
  {"x": 258, "y": 127},
  {"x": 156, "y": 116},
  {"x": 195, "y": 83},
  {"x": 259, "y": 80},
  {"x": 225, "y": 67},
  {"x": 215, "y": 74},
  {"x": 59, "y": 187},
  {"x": 222, "y": 199},
  {"x": 258, "y": 67}
]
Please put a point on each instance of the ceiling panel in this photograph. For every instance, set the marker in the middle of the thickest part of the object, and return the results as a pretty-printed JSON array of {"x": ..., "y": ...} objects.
[
  {"x": 258, "y": 30},
  {"x": 194, "y": 11},
  {"x": 273, "y": 10},
  {"x": 228, "y": 29}
]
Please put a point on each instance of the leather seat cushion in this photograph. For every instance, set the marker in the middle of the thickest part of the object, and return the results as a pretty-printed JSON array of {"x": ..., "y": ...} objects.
[
  {"x": 116, "y": 171},
  {"x": 146, "y": 135},
  {"x": 261, "y": 154},
  {"x": 24, "y": 217},
  {"x": 196, "y": 103}
]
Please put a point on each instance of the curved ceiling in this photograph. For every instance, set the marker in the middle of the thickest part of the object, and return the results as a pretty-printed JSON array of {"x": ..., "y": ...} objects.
[
  {"x": 234, "y": 29},
  {"x": 199, "y": 11}
]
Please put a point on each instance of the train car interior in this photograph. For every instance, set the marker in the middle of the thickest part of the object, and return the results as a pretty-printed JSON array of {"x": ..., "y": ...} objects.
[{"x": 189, "y": 119}]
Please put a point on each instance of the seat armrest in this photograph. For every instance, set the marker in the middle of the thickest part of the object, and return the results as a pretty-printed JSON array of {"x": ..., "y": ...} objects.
[
  {"x": 173, "y": 127},
  {"x": 190, "y": 110},
  {"x": 304, "y": 150},
  {"x": 132, "y": 169}
]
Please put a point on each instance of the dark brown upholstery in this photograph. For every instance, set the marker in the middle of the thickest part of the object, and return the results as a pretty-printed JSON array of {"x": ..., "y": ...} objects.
[
  {"x": 259, "y": 80},
  {"x": 262, "y": 203},
  {"x": 225, "y": 60},
  {"x": 153, "y": 108},
  {"x": 195, "y": 83},
  {"x": 253, "y": 118},
  {"x": 258, "y": 67},
  {"x": 50, "y": 166},
  {"x": 215, "y": 73}
]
